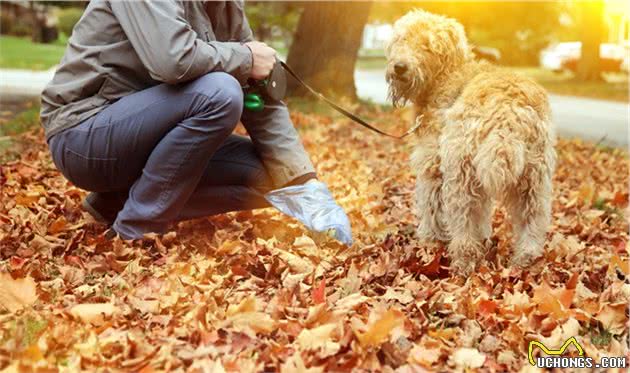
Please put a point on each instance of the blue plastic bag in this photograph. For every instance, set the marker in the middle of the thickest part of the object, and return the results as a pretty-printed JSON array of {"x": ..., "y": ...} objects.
[{"x": 314, "y": 206}]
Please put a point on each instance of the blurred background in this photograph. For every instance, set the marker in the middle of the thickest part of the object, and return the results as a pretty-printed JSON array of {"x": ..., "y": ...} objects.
[{"x": 578, "y": 50}]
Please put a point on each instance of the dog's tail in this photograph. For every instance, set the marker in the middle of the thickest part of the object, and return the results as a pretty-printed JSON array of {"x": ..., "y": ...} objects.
[{"x": 500, "y": 161}]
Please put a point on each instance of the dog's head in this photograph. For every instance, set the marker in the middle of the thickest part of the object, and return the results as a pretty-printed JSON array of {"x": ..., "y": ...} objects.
[{"x": 424, "y": 46}]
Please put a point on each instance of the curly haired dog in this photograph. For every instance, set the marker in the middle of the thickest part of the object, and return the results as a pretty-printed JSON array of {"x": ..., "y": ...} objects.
[{"x": 486, "y": 133}]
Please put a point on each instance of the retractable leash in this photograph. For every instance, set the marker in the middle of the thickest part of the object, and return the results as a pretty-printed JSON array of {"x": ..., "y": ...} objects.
[{"x": 275, "y": 88}]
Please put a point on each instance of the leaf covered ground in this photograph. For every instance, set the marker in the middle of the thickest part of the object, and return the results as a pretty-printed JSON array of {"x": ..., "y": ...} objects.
[{"x": 254, "y": 291}]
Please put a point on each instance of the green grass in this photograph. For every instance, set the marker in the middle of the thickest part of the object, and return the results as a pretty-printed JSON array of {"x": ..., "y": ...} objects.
[
  {"x": 22, "y": 122},
  {"x": 22, "y": 53},
  {"x": 25, "y": 120}
]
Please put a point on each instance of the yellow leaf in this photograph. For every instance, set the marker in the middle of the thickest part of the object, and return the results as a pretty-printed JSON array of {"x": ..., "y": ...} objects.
[
  {"x": 553, "y": 301},
  {"x": 623, "y": 265},
  {"x": 27, "y": 199},
  {"x": 15, "y": 294},
  {"x": 319, "y": 338},
  {"x": 58, "y": 225},
  {"x": 94, "y": 313},
  {"x": 446, "y": 333},
  {"x": 230, "y": 247},
  {"x": 259, "y": 322},
  {"x": 586, "y": 193},
  {"x": 379, "y": 331},
  {"x": 32, "y": 353},
  {"x": 247, "y": 305}
]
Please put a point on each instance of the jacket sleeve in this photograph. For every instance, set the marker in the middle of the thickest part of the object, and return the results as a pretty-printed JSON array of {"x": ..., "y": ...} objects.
[
  {"x": 273, "y": 134},
  {"x": 170, "y": 49}
]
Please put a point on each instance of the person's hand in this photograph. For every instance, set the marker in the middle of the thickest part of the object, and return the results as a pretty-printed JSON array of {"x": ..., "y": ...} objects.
[{"x": 264, "y": 57}]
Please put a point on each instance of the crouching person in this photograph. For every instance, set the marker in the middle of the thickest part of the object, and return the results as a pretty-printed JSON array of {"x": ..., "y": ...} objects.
[{"x": 141, "y": 112}]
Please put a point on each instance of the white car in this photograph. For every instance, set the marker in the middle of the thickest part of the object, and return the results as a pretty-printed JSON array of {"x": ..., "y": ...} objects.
[
  {"x": 554, "y": 56},
  {"x": 563, "y": 56}
]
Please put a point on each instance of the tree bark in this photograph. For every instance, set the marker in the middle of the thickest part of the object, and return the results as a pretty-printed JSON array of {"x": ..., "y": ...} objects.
[
  {"x": 325, "y": 46},
  {"x": 592, "y": 34}
]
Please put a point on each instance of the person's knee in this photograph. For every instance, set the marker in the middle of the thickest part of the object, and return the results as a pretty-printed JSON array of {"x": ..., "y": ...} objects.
[{"x": 225, "y": 96}]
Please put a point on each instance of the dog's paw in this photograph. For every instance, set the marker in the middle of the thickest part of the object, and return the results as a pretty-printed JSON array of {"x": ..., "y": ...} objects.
[
  {"x": 525, "y": 258},
  {"x": 462, "y": 267}
]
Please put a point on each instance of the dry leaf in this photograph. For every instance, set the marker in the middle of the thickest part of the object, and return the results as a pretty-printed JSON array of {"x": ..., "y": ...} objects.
[
  {"x": 424, "y": 356},
  {"x": 613, "y": 318},
  {"x": 94, "y": 313},
  {"x": 16, "y": 294},
  {"x": 467, "y": 358},
  {"x": 378, "y": 332},
  {"x": 319, "y": 338}
]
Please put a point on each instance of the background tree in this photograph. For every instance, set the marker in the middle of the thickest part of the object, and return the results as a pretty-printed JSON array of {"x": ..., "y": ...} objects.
[
  {"x": 325, "y": 46},
  {"x": 592, "y": 32},
  {"x": 518, "y": 29},
  {"x": 273, "y": 22}
]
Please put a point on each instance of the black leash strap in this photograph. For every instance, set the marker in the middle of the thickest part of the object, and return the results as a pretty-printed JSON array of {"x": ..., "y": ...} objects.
[{"x": 344, "y": 111}]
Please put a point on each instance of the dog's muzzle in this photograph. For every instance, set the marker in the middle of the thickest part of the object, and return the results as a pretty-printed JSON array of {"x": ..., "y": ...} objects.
[{"x": 399, "y": 73}]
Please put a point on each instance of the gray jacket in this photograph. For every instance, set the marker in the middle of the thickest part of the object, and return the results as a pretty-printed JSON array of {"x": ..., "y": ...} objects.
[{"x": 121, "y": 47}]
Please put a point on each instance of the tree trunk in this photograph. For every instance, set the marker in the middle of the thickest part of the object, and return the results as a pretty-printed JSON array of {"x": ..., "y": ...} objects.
[
  {"x": 325, "y": 46},
  {"x": 37, "y": 26},
  {"x": 592, "y": 34}
]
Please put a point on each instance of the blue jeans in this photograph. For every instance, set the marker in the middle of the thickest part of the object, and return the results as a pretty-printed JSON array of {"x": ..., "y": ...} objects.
[{"x": 166, "y": 153}]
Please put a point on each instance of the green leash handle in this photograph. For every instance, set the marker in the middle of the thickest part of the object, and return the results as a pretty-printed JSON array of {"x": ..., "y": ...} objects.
[{"x": 254, "y": 102}]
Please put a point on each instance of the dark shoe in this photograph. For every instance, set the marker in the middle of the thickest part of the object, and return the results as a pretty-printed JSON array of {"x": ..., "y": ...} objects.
[
  {"x": 103, "y": 210},
  {"x": 110, "y": 234}
]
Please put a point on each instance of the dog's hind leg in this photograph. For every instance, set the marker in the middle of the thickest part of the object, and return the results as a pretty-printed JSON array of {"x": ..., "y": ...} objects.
[
  {"x": 530, "y": 208},
  {"x": 467, "y": 209}
]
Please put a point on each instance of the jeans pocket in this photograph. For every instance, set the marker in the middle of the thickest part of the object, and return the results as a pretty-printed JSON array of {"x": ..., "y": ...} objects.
[{"x": 90, "y": 173}]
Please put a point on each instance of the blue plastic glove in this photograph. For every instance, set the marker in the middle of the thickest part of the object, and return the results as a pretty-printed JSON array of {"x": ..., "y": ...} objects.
[{"x": 314, "y": 206}]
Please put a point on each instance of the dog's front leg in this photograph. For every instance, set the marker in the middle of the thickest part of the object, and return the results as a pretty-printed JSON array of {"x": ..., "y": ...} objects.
[{"x": 429, "y": 206}]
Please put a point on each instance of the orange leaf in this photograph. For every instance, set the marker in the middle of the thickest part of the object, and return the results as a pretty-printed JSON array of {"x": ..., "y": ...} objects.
[
  {"x": 565, "y": 297},
  {"x": 319, "y": 292},
  {"x": 32, "y": 353},
  {"x": 623, "y": 265},
  {"x": 379, "y": 331},
  {"x": 586, "y": 193},
  {"x": 572, "y": 283},
  {"x": 58, "y": 225},
  {"x": 486, "y": 307},
  {"x": 553, "y": 301},
  {"x": 446, "y": 333},
  {"x": 26, "y": 199},
  {"x": 620, "y": 199}
]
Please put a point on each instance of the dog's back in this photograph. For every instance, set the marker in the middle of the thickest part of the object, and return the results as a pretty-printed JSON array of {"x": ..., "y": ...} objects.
[{"x": 508, "y": 125}]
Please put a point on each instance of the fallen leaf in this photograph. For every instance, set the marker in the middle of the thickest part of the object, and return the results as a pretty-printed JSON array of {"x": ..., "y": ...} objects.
[
  {"x": 94, "y": 313},
  {"x": 424, "y": 356},
  {"x": 319, "y": 292},
  {"x": 467, "y": 358},
  {"x": 18, "y": 293},
  {"x": 319, "y": 338},
  {"x": 613, "y": 318},
  {"x": 295, "y": 364},
  {"x": 58, "y": 225},
  {"x": 378, "y": 332}
]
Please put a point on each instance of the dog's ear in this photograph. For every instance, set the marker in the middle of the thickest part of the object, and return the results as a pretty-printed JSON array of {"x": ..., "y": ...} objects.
[{"x": 457, "y": 35}]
